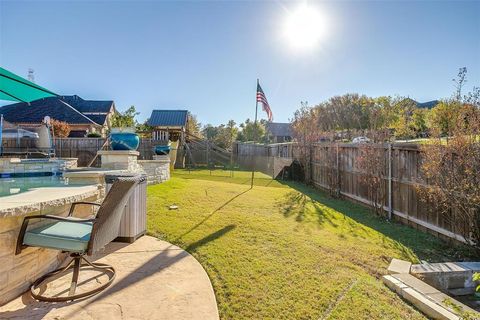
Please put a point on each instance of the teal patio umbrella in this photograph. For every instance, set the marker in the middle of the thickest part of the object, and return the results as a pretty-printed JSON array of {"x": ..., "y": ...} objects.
[{"x": 16, "y": 88}]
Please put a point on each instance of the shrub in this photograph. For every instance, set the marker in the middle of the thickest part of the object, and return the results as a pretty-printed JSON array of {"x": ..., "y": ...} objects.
[
  {"x": 94, "y": 135},
  {"x": 452, "y": 169},
  {"x": 61, "y": 129},
  {"x": 476, "y": 277}
]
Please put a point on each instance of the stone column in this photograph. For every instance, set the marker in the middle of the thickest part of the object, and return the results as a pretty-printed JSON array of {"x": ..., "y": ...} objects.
[{"x": 120, "y": 160}]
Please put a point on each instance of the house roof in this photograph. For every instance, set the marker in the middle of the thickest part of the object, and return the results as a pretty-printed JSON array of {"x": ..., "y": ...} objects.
[
  {"x": 279, "y": 129},
  {"x": 168, "y": 118},
  {"x": 36, "y": 111},
  {"x": 71, "y": 109},
  {"x": 427, "y": 105},
  {"x": 98, "y": 118},
  {"x": 88, "y": 105},
  {"x": 423, "y": 105}
]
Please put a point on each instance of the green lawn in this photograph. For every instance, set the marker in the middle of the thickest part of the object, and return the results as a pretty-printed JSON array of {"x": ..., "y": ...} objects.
[{"x": 285, "y": 251}]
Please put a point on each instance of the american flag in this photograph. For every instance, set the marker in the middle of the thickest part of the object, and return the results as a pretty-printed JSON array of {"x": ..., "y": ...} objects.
[{"x": 265, "y": 106}]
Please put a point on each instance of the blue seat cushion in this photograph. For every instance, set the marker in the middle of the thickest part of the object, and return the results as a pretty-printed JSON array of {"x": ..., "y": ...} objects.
[{"x": 61, "y": 235}]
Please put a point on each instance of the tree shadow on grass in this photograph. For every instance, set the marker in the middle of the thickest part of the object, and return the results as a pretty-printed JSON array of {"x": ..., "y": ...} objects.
[
  {"x": 217, "y": 234},
  {"x": 210, "y": 215},
  {"x": 295, "y": 204},
  {"x": 405, "y": 239}
]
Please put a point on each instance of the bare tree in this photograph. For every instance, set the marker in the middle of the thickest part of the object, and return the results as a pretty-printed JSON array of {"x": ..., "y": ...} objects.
[{"x": 452, "y": 169}]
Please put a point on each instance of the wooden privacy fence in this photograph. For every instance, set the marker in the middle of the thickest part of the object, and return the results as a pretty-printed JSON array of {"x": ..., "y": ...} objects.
[
  {"x": 198, "y": 152},
  {"x": 337, "y": 166},
  {"x": 84, "y": 149}
]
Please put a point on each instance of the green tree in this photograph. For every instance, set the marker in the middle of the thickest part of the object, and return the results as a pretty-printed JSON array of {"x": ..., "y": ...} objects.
[
  {"x": 125, "y": 119},
  {"x": 229, "y": 134},
  {"x": 404, "y": 124},
  {"x": 443, "y": 118},
  {"x": 209, "y": 131},
  {"x": 222, "y": 135},
  {"x": 251, "y": 132},
  {"x": 193, "y": 125},
  {"x": 144, "y": 129}
]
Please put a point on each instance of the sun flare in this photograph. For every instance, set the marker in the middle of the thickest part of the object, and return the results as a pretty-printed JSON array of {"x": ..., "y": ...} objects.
[{"x": 304, "y": 27}]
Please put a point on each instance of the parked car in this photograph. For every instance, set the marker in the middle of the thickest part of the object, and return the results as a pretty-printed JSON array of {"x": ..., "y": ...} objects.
[
  {"x": 18, "y": 133},
  {"x": 360, "y": 140}
]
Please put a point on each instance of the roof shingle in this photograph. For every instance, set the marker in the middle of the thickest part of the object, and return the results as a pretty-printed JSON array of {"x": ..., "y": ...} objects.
[
  {"x": 168, "y": 118},
  {"x": 70, "y": 109},
  {"x": 37, "y": 110},
  {"x": 279, "y": 129}
]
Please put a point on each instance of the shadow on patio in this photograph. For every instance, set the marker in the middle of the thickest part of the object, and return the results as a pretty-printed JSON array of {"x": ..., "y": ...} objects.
[{"x": 155, "y": 280}]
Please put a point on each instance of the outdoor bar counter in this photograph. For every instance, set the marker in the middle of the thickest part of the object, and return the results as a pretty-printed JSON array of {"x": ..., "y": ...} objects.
[{"x": 17, "y": 272}]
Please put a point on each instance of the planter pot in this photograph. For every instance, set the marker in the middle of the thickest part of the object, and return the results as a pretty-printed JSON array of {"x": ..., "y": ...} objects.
[
  {"x": 124, "y": 141},
  {"x": 161, "y": 150}
]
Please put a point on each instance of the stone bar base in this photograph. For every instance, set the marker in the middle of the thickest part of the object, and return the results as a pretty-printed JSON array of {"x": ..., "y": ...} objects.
[
  {"x": 157, "y": 170},
  {"x": 17, "y": 272},
  {"x": 119, "y": 160}
]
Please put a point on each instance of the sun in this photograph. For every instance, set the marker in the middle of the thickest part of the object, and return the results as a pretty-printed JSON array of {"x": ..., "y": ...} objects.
[{"x": 304, "y": 27}]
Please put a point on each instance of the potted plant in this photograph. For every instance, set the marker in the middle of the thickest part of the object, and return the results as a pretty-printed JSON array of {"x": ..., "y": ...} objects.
[{"x": 122, "y": 134}]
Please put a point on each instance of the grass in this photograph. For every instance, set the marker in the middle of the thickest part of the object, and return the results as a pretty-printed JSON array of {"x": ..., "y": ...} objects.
[{"x": 286, "y": 251}]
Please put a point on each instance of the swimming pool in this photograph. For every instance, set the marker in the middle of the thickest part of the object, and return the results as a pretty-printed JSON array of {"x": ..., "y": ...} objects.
[{"x": 15, "y": 185}]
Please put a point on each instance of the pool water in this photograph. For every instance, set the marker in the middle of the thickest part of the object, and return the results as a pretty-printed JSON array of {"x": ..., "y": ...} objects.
[{"x": 15, "y": 185}]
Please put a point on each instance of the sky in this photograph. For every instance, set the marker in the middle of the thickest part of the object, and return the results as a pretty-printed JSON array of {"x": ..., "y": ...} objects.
[{"x": 205, "y": 56}]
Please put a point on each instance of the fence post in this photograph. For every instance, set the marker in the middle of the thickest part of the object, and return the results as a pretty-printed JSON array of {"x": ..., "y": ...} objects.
[
  {"x": 389, "y": 155},
  {"x": 310, "y": 164},
  {"x": 338, "y": 173}
]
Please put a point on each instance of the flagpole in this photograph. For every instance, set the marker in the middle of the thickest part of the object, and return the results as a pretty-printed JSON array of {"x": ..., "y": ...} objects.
[{"x": 254, "y": 134}]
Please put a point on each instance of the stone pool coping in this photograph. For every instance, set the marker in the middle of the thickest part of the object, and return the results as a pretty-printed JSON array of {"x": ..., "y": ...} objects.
[
  {"x": 425, "y": 297},
  {"x": 36, "y": 199}
]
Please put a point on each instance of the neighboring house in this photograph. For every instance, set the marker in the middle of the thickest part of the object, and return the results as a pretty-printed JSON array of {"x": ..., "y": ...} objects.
[
  {"x": 423, "y": 105},
  {"x": 279, "y": 132},
  {"x": 169, "y": 124},
  {"x": 427, "y": 105},
  {"x": 83, "y": 116}
]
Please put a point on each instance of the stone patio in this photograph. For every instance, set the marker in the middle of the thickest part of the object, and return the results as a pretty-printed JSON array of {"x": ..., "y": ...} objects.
[{"x": 154, "y": 280}]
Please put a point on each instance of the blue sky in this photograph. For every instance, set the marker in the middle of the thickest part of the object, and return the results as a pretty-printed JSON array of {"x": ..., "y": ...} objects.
[{"x": 206, "y": 56}]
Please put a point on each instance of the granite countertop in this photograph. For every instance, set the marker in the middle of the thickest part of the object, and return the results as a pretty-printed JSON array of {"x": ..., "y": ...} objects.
[{"x": 38, "y": 198}]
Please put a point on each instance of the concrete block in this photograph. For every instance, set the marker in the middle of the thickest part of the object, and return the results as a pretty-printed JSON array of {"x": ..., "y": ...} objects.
[
  {"x": 438, "y": 267},
  {"x": 446, "y": 276},
  {"x": 399, "y": 266},
  {"x": 394, "y": 284},
  {"x": 419, "y": 300},
  {"x": 415, "y": 283},
  {"x": 427, "y": 306},
  {"x": 474, "y": 266},
  {"x": 462, "y": 291}
]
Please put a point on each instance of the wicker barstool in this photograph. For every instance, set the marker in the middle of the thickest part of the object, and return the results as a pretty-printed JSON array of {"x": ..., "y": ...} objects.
[{"x": 79, "y": 237}]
